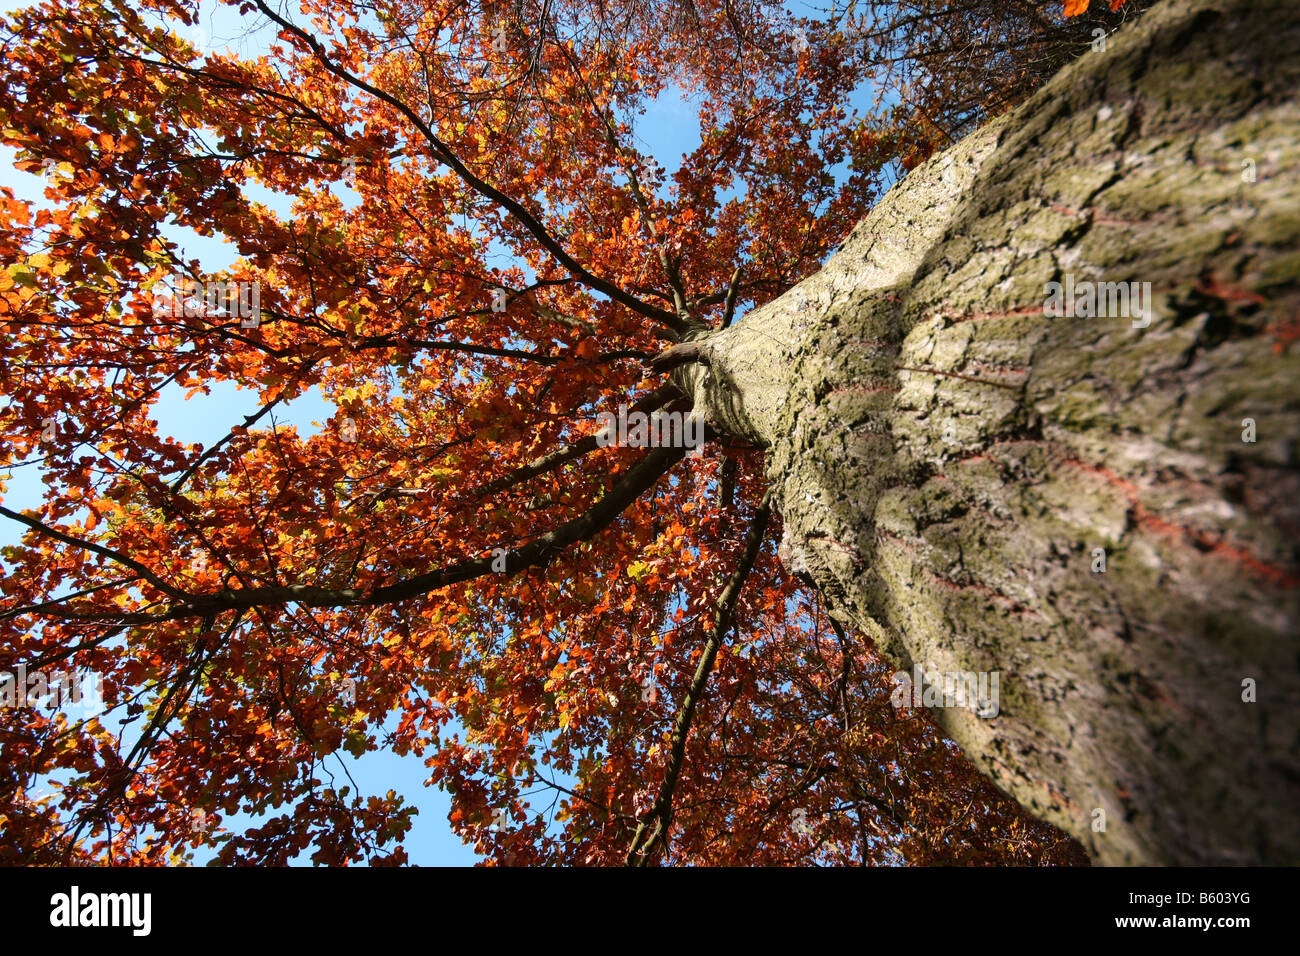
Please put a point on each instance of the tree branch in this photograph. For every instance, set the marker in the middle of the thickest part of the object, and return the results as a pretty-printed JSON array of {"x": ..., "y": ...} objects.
[
  {"x": 662, "y": 812},
  {"x": 449, "y": 159},
  {"x": 538, "y": 552},
  {"x": 112, "y": 555}
]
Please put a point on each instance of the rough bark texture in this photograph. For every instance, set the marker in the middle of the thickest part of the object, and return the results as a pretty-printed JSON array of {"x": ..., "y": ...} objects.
[{"x": 947, "y": 458}]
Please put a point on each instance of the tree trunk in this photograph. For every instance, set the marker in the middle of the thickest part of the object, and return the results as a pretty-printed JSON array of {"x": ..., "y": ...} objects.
[{"x": 947, "y": 458}]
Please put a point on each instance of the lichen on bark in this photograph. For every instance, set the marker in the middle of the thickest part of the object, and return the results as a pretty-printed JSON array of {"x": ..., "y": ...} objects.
[{"x": 948, "y": 459}]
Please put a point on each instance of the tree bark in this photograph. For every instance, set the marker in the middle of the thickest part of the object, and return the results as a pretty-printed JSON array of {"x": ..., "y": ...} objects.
[{"x": 947, "y": 458}]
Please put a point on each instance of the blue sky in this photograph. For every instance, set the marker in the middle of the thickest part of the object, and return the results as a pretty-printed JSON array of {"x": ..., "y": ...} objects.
[{"x": 668, "y": 130}]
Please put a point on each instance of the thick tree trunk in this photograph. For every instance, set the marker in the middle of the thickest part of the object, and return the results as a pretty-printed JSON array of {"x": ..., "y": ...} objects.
[{"x": 947, "y": 458}]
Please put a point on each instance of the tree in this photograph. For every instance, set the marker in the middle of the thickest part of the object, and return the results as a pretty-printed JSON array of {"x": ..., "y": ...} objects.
[{"x": 466, "y": 544}]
